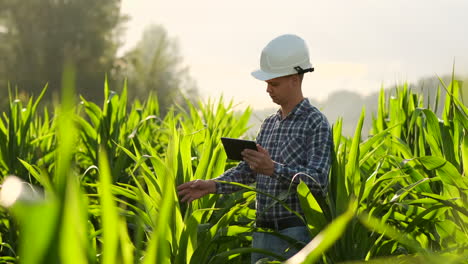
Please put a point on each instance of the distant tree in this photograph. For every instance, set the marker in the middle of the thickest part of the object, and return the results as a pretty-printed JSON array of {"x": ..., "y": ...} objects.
[
  {"x": 155, "y": 65},
  {"x": 38, "y": 36},
  {"x": 5, "y": 60}
]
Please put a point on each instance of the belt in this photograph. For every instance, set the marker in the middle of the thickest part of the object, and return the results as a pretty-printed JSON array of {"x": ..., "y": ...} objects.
[{"x": 280, "y": 224}]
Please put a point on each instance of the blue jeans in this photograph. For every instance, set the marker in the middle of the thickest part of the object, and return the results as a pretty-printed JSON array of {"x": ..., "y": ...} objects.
[{"x": 277, "y": 245}]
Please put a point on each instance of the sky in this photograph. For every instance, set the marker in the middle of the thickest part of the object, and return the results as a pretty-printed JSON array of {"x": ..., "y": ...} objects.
[{"x": 356, "y": 45}]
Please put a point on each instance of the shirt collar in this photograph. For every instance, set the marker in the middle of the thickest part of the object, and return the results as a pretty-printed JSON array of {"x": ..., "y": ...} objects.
[{"x": 297, "y": 110}]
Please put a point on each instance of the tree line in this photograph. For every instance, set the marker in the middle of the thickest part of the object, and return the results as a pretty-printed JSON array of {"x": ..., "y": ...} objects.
[{"x": 37, "y": 37}]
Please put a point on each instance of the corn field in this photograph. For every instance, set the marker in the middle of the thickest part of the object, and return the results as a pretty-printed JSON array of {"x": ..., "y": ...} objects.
[{"x": 97, "y": 184}]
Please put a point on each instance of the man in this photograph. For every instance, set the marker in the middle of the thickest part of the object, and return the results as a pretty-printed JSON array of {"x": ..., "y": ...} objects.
[{"x": 293, "y": 145}]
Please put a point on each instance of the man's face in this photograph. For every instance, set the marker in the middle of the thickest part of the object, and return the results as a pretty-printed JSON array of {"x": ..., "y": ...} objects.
[{"x": 281, "y": 89}]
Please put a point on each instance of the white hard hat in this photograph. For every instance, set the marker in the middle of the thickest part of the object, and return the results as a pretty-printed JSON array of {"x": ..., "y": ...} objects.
[{"x": 284, "y": 55}]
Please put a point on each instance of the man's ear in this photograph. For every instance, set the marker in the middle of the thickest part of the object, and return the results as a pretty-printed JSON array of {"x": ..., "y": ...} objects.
[{"x": 295, "y": 79}]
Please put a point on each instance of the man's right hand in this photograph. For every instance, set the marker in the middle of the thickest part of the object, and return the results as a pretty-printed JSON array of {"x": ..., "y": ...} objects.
[{"x": 193, "y": 190}]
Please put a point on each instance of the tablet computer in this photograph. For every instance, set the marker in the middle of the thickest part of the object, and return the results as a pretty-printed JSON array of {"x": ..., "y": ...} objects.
[{"x": 234, "y": 147}]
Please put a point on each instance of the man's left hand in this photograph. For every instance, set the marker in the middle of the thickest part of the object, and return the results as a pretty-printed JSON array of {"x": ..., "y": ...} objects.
[{"x": 259, "y": 161}]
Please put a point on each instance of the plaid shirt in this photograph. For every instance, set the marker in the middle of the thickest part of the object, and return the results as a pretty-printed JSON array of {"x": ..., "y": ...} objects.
[{"x": 299, "y": 144}]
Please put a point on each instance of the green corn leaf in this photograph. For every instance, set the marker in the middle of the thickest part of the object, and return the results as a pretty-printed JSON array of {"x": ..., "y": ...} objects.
[
  {"x": 370, "y": 142},
  {"x": 110, "y": 217},
  {"x": 93, "y": 111},
  {"x": 396, "y": 114},
  {"x": 127, "y": 247},
  {"x": 39, "y": 247},
  {"x": 381, "y": 113},
  {"x": 352, "y": 166},
  {"x": 338, "y": 181},
  {"x": 428, "y": 215},
  {"x": 74, "y": 243},
  {"x": 314, "y": 214},
  {"x": 400, "y": 194},
  {"x": 229, "y": 255},
  {"x": 446, "y": 171},
  {"x": 159, "y": 248},
  {"x": 380, "y": 227},
  {"x": 188, "y": 240},
  {"x": 39, "y": 175},
  {"x": 325, "y": 239},
  {"x": 432, "y": 126},
  {"x": 464, "y": 153},
  {"x": 370, "y": 182},
  {"x": 422, "y": 185}
]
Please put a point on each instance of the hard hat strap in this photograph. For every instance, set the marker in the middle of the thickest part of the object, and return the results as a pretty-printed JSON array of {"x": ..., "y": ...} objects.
[{"x": 301, "y": 71}]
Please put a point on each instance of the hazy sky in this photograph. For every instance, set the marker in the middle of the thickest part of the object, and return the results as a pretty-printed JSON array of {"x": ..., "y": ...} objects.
[{"x": 354, "y": 45}]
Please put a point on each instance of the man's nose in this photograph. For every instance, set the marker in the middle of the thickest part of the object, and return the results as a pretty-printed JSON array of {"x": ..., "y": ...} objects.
[{"x": 268, "y": 89}]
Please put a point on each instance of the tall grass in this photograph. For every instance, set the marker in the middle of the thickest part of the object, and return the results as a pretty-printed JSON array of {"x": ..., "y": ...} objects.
[{"x": 109, "y": 172}]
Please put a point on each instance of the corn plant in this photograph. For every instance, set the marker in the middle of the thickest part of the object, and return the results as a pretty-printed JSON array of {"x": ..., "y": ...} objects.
[
  {"x": 408, "y": 179},
  {"x": 109, "y": 173}
]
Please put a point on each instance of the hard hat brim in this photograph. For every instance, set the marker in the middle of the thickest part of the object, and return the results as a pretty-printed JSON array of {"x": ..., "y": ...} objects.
[{"x": 265, "y": 76}]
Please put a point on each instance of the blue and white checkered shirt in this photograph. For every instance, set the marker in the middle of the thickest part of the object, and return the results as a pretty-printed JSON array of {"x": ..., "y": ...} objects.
[{"x": 300, "y": 146}]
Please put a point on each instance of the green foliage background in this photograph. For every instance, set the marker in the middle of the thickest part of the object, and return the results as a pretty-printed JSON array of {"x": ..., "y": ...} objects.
[
  {"x": 41, "y": 36},
  {"x": 38, "y": 38},
  {"x": 109, "y": 175}
]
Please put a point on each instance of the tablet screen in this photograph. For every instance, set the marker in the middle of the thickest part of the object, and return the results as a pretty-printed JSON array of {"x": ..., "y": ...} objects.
[{"x": 234, "y": 147}]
